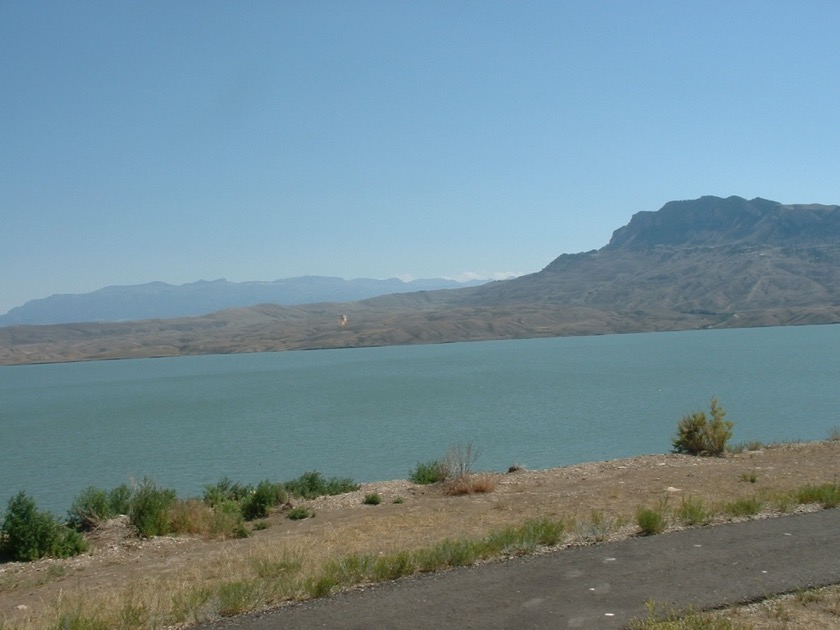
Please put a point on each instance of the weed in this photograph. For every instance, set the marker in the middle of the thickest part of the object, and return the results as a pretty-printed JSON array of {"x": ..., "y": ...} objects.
[
  {"x": 78, "y": 620},
  {"x": 261, "y": 525},
  {"x": 393, "y": 566},
  {"x": 289, "y": 564},
  {"x": 834, "y": 434},
  {"x": 749, "y": 506},
  {"x": 427, "y": 473},
  {"x": 372, "y": 499},
  {"x": 399, "y": 500},
  {"x": 663, "y": 617},
  {"x": 234, "y": 598},
  {"x": 650, "y": 521},
  {"x": 827, "y": 495},
  {"x": 699, "y": 435},
  {"x": 597, "y": 529},
  {"x": 300, "y": 513},
  {"x": 751, "y": 476},
  {"x": 187, "y": 605},
  {"x": 693, "y": 512}
]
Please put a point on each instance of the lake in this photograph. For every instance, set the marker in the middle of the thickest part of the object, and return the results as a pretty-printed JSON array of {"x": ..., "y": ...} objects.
[{"x": 373, "y": 413}]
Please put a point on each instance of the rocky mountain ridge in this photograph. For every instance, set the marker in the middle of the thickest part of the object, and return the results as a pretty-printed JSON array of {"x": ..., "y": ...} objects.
[{"x": 705, "y": 263}]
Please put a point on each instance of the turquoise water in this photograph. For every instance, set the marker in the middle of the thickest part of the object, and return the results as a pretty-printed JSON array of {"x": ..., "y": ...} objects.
[{"x": 373, "y": 413}]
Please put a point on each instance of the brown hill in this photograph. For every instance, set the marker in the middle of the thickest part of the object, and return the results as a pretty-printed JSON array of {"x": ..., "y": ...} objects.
[{"x": 709, "y": 262}]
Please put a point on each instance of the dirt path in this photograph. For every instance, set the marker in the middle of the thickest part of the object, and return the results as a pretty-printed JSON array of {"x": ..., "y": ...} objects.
[{"x": 601, "y": 586}]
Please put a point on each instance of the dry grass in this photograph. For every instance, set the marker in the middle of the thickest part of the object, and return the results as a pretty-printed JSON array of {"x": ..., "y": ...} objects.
[{"x": 480, "y": 483}]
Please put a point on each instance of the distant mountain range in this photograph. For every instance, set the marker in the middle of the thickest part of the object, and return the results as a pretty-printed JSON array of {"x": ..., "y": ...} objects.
[
  {"x": 158, "y": 300},
  {"x": 704, "y": 263}
]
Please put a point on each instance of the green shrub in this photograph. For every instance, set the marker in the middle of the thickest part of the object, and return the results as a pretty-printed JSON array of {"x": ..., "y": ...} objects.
[
  {"x": 698, "y": 434},
  {"x": 312, "y": 485},
  {"x": 90, "y": 508},
  {"x": 29, "y": 534},
  {"x": 265, "y": 496},
  {"x": 427, "y": 473},
  {"x": 300, "y": 513},
  {"x": 149, "y": 509},
  {"x": 94, "y": 505},
  {"x": 372, "y": 499},
  {"x": 119, "y": 499},
  {"x": 225, "y": 490},
  {"x": 650, "y": 521}
]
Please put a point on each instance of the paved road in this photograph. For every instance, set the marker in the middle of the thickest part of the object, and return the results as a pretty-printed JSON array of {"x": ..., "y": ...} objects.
[{"x": 602, "y": 586}]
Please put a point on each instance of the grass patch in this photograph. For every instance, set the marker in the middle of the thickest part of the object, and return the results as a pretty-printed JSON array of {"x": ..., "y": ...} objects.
[
  {"x": 426, "y": 473},
  {"x": 693, "y": 512},
  {"x": 827, "y": 495},
  {"x": 651, "y": 521},
  {"x": 748, "y": 506},
  {"x": 750, "y": 477},
  {"x": 664, "y": 617},
  {"x": 598, "y": 528}
]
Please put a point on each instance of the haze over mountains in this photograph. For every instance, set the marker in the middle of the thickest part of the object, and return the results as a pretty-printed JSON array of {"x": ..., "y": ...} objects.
[
  {"x": 704, "y": 263},
  {"x": 159, "y": 300}
]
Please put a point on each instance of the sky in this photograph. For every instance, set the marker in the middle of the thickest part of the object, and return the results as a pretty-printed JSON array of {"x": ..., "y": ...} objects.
[{"x": 250, "y": 140}]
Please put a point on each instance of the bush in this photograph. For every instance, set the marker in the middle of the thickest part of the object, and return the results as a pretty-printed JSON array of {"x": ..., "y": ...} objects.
[
  {"x": 225, "y": 490},
  {"x": 312, "y": 485},
  {"x": 372, "y": 499},
  {"x": 264, "y": 497},
  {"x": 650, "y": 521},
  {"x": 149, "y": 509},
  {"x": 427, "y": 473},
  {"x": 300, "y": 513},
  {"x": 29, "y": 534},
  {"x": 699, "y": 435},
  {"x": 119, "y": 499},
  {"x": 90, "y": 508},
  {"x": 94, "y": 505}
]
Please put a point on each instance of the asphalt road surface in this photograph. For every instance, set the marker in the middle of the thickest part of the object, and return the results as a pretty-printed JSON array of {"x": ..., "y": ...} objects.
[{"x": 601, "y": 586}]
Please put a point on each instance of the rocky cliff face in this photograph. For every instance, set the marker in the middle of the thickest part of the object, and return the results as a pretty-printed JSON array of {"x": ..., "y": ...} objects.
[{"x": 712, "y": 221}]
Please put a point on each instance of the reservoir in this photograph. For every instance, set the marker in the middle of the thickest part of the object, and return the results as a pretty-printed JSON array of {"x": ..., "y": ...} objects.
[{"x": 373, "y": 413}]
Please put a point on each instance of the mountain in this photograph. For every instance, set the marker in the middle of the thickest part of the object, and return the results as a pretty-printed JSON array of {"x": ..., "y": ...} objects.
[
  {"x": 158, "y": 300},
  {"x": 703, "y": 263}
]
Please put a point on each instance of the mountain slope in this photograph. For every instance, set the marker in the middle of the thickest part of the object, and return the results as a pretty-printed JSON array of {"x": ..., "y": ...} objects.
[
  {"x": 709, "y": 262},
  {"x": 161, "y": 300}
]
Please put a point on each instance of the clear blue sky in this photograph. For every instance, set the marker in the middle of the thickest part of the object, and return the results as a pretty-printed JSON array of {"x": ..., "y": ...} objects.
[{"x": 249, "y": 140}]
